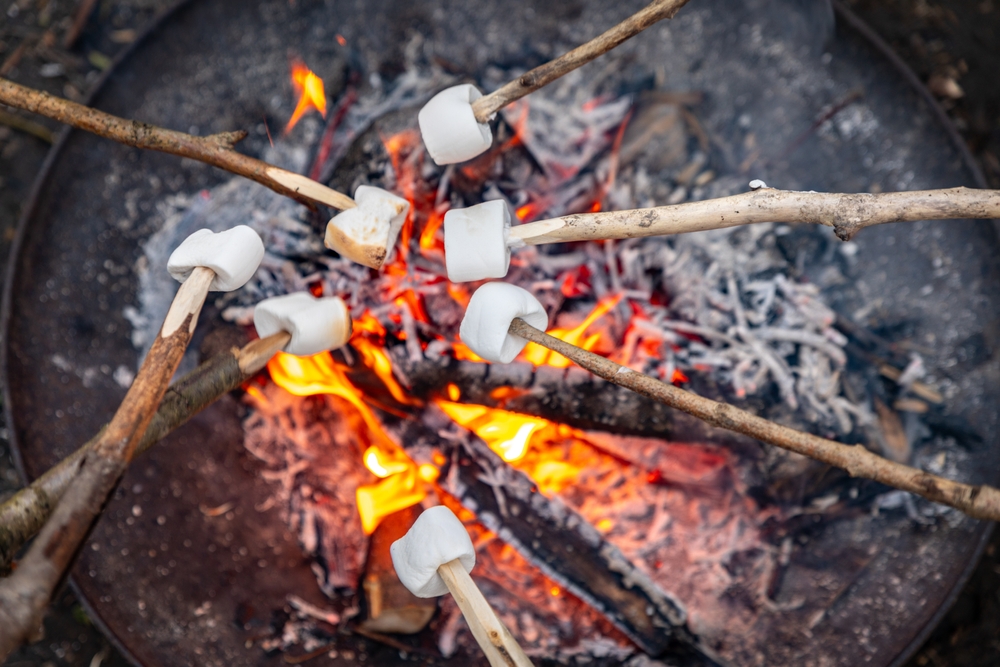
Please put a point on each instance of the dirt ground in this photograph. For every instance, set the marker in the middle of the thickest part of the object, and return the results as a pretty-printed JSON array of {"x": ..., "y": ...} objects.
[{"x": 952, "y": 46}]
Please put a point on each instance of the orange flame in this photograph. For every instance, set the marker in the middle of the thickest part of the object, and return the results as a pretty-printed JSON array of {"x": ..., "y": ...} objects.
[
  {"x": 542, "y": 356},
  {"x": 312, "y": 95},
  {"x": 526, "y": 442},
  {"x": 401, "y": 482}
]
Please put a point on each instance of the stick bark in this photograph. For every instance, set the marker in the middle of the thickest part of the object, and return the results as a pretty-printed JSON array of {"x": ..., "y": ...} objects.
[
  {"x": 977, "y": 501},
  {"x": 216, "y": 149},
  {"x": 25, "y": 594},
  {"x": 23, "y": 514},
  {"x": 846, "y": 213},
  {"x": 529, "y": 82}
]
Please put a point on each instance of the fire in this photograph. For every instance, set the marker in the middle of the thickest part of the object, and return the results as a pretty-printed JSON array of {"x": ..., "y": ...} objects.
[
  {"x": 311, "y": 92},
  {"x": 401, "y": 482},
  {"x": 533, "y": 445},
  {"x": 541, "y": 356}
]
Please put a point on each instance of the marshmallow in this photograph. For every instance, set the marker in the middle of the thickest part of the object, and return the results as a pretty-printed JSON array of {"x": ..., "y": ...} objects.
[
  {"x": 435, "y": 538},
  {"x": 316, "y": 325},
  {"x": 491, "y": 310},
  {"x": 475, "y": 242},
  {"x": 449, "y": 127},
  {"x": 234, "y": 255},
  {"x": 365, "y": 234}
]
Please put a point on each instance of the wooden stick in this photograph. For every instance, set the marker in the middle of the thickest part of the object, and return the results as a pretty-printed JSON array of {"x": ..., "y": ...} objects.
[
  {"x": 846, "y": 213},
  {"x": 25, "y": 594},
  {"x": 487, "y": 105},
  {"x": 978, "y": 501},
  {"x": 500, "y": 647},
  {"x": 23, "y": 514},
  {"x": 216, "y": 149}
]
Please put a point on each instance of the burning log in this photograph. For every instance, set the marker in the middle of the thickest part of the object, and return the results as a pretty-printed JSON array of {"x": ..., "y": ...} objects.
[
  {"x": 216, "y": 149},
  {"x": 552, "y": 536},
  {"x": 977, "y": 501},
  {"x": 391, "y": 607}
]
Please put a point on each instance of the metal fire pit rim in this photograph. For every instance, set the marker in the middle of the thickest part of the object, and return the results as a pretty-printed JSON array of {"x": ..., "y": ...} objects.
[{"x": 851, "y": 21}]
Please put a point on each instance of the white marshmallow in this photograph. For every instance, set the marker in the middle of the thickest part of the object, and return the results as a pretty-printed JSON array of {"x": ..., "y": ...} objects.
[
  {"x": 449, "y": 127},
  {"x": 435, "y": 538},
  {"x": 234, "y": 255},
  {"x": 366, "y": 234},
  {"x": 316, "y": 325},
  {"x": 491, "y": 310},
  {"x": 475, "y": 242}
]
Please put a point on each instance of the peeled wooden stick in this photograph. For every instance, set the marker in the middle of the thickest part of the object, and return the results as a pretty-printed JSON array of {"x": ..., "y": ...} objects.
[
  {"x": 216, "y": 149},
  {"x": 487, "y": 105},
  {"x": 478, "y": 239},
  {"x": 234, "y": 256},
  {"x": 434, "y": 558},
  {"x": 978, "y": 501}
]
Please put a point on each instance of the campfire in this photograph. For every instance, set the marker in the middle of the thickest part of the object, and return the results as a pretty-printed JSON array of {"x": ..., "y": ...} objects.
[
  {"x": 407, "y": 415},
  {"x": 606, "y": 527}
]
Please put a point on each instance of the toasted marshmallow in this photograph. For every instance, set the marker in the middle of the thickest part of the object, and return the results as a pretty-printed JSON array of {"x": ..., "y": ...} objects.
[
  {"x": 316, "y": 325},
  {"x": 475, "y": 242},
  {"x": 367, "y": 233},
  {"x": 233, "y": 255},
  {"x": 491, "y": 310},
  {"x": 449, "y": 127},
  {"x": 436, "y": 537}
]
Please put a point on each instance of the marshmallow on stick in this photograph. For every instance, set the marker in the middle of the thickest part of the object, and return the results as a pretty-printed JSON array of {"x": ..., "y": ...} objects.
[
  {"x": 480, "y": 257},
  {"x": 367, "y": 233},
  {"x": 315, "y": 324},
  {"x": 491, "y": 310},
  {"x": 435, "y": 557},
  {"x": 455, "y": 122}
]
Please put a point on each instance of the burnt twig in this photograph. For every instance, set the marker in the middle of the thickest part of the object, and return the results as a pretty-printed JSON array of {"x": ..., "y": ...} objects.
[
  {"x": 23, "y": 514},
  {"x": 216, "y": 149},
  {"x": 529, "y": 82},
  {"x": 978, "y": 501}
]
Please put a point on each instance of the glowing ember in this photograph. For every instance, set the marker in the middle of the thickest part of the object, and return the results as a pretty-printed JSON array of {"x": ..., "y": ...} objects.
[
  {"x": 541, "y": 356},
  {"x": 312, "y": 95}
]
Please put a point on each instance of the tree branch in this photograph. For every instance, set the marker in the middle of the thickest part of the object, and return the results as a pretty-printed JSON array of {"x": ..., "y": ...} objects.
[
  {"x": 529, "y": 82},
  {"x": 846, "y": 213},
  {"x": 216, "y": 150},
  {"x": 23, "y": 514},
  {"x": 977, "y": 501}
]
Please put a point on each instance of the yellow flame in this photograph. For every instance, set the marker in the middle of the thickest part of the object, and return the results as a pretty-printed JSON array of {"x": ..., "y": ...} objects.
[
  {"x": 542, "y": 356},
  {"x": 312, "y": 94},
  {"x": 400, "y": 485}
]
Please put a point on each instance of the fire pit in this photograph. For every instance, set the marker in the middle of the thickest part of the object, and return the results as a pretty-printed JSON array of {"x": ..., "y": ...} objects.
[{"x": 608, "y": 527}]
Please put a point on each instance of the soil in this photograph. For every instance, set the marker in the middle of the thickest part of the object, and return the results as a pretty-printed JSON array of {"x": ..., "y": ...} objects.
[{"x": 954, "y": 47}]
